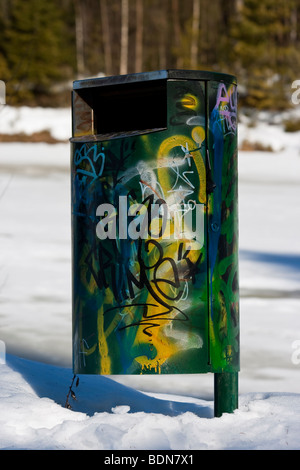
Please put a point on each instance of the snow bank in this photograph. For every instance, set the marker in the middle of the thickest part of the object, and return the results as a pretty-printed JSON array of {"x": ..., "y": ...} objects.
[
  {"x": 29, "y": 120},
  {"x": 268, "y": 129},
  {"x": 263, "y": 127},
  {"x": 110, "y": 416}
]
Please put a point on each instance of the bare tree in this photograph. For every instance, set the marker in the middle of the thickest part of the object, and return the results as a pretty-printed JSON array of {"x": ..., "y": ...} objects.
[
  {"x": 177, "y": 31},
  {"x": 294, "y": 25},
  {"x": 79, "y": 38},
  {"x": 163, "y": 23},
  {"x": 195, "y": 33},
  {"x": 139, "y": 36},
  {"x": 124, "y": 37},
  {"x": 106, "y": 37}
]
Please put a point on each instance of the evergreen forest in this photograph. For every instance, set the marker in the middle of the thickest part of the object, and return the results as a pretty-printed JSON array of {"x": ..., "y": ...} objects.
[{"x": 46, "y": 44}]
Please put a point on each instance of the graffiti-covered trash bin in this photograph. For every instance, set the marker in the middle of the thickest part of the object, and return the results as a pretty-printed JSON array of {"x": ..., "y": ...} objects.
[{"x": 154, "y": 225}]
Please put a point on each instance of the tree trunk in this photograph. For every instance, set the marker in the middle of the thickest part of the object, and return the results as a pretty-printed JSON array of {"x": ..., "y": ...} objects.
[
  {"x": 106, "y": 37},
  {"x": 79, "y": 38},
  {"x": 139, "y": 36},
  {"x": 177, "y": 32},
  {"x": 195, "y": 33},
  {"x": 124, "y": 37},
  {"x": 163, "y": 24}
]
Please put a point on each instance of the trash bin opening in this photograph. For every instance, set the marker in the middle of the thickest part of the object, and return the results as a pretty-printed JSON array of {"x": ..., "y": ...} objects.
[{"x": 131, "y": 107}]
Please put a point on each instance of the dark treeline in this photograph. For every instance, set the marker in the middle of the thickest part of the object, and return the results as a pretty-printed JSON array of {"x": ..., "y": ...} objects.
[{"x": 44, "y": 44}]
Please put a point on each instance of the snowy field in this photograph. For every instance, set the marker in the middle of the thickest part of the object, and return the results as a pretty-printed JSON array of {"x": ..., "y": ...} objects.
[{"x": 148, "y": 412}]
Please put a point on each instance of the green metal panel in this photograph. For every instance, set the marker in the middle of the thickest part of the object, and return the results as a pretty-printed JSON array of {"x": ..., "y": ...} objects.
[
  {"x": 151, "y": 295},
  {"x": 223, "y": 227}
]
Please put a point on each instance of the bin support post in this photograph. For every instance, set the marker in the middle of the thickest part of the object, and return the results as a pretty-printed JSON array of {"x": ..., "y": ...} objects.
[{"x": 225, "y": 393}]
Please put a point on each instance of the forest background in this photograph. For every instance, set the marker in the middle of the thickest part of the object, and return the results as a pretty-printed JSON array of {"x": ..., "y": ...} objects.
[{"x": 46, "y": 44}]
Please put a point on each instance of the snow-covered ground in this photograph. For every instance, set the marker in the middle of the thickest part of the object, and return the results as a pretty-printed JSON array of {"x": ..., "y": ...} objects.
[{"x": 148, "y": 412}]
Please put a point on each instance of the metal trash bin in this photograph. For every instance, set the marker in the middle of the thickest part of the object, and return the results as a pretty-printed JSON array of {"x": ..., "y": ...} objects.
[{"x": 154, "y": 226}]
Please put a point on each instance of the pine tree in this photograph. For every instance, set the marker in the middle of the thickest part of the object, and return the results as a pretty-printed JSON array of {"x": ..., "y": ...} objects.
[
  {"x": 4, "y": 71},
  {"x": 262, "y": 51},
  {"x": 43, "y": 42},
  {"x": 34, "y": 47}
]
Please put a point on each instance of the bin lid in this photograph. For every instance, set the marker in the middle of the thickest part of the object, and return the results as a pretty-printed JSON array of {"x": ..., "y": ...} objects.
[{"x": 172, "y": 74}]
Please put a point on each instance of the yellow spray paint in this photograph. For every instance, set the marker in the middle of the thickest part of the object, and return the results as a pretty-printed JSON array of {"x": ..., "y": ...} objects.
[{"x": 182, "y": 142}]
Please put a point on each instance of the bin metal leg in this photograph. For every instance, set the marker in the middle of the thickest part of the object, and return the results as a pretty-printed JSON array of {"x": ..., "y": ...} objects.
[{"x": 225, "y": 392}]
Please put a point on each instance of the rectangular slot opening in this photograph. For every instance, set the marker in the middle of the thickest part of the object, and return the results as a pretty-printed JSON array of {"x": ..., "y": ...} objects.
[{"x": 127, "y": 108}]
